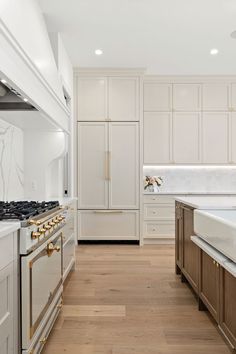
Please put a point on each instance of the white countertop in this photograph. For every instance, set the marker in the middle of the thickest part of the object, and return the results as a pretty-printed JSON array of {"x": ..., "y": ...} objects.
[
  {"x": 209, "y": 202},
  {"x": 8, "y": 227},
  {"x": 64, "y": 200},
  {"x": 191, "y": 193}
]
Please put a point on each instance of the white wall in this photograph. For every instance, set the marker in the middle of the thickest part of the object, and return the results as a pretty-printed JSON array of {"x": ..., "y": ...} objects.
[
  {"x": 11, "y": 161},
  {"x": 195, "y": 179}
]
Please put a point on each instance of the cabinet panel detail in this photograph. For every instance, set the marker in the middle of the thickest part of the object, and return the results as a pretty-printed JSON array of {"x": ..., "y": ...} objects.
[{"x": 157, "y": 97}]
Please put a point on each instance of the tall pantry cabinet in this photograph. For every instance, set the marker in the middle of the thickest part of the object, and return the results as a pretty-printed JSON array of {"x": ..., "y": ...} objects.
[{"x": 108, "y": 141}]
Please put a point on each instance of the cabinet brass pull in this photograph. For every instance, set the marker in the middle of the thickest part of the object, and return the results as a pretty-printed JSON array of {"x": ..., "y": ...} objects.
[{"x": 106, "y": 166}]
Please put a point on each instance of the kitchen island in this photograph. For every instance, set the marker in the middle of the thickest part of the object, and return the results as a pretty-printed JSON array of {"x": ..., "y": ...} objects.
[{"x": 210, "y": 273}]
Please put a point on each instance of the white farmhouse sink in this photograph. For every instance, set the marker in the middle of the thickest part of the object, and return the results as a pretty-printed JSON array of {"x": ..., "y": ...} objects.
[{"x": 218, "y": 228}]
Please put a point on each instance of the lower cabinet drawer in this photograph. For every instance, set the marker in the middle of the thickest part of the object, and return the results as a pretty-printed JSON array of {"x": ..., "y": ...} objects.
[
  {"x": 108, "y": 225},
  {"x": 155, "y": 211},
  {"x": 157, "y": 198},
  {"x": 159, "y": 229},
  {"x": 68, "y": 253}
]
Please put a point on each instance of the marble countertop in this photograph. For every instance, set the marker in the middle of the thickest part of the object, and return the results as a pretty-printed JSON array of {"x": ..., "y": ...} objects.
[
  {"x": 225, "y": 262},
  {"x": 209, "y": 202},
  {"x": 190, "y": 193},
  {"x": 8, "y": 227},
  {"x": 64, "y": 200}
]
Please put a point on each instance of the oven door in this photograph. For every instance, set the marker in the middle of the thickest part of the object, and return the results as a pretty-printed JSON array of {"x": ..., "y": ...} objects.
[{"x": 41, "y": 275}]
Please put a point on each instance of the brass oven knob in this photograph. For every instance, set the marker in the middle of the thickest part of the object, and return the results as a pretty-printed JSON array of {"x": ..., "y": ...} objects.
[
  {"x": 52, "y": 223},
  {"x": 59, "y": 218},
  {"x": 42, "y": 230},
  {"x": 35, "y": 234},
  {"x": 56, "y": 221},
  {"x": 47, "y": 227}
]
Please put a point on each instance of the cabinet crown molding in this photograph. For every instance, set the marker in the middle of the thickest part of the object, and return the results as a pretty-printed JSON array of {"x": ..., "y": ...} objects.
[{"x": 109, "y": 71}]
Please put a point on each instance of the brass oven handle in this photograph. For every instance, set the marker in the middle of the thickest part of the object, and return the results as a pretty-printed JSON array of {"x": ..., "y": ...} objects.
[{"x": 51, "y": 248}]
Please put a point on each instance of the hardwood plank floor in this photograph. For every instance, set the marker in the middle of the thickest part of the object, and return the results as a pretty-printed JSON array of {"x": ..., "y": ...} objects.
[{"x": 125, "y": 299}]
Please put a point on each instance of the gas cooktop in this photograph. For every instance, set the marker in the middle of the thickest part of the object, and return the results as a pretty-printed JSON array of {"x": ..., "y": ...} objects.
[{"x": 23, "y": 210}]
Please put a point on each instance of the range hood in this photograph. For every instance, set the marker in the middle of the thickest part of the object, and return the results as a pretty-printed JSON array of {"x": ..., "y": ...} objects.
[{"x": 11, "y": 100}]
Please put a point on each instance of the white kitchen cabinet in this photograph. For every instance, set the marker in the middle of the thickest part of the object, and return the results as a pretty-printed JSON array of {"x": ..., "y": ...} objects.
[
  {"x": 158, "y": 218},
  {"x": 157, "y": 97},
  {"x": 123, "y": 99},
  {"x": 93, "y": 165},
  {"x": 215, "y": 137},
  {"x": 108, "y": 225},
  {"x": 157, "y": 137},
  {"x": 233, "y": 97},
  {"x": 8, "y": 294},
  {"x": 92, "y": 98},
  {"x": 124, "y": 165},
  {"x": 215, "y": 97},
  {"x": 6, "y": 310},
  {"x": 186, "y": 137},
  {"x": 187, "y": 97},
  {"x": 108, "y": 99},
  {"x": 233, "y": 137}
]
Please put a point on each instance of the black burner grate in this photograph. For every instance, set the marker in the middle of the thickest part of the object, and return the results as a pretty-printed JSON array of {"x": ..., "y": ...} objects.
[{"x": 23, "y": 210}]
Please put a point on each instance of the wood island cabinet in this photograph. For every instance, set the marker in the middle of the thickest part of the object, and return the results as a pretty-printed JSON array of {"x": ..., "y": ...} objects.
[
  {"x": 187, "y": 253},
  {"x": 214, "y": 285},
  {"x": 209, "y": 290}
]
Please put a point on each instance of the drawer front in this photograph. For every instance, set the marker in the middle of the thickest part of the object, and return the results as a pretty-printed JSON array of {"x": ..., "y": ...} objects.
[
  {"x": 68, "y": 253},
  {"x": 159, "y": 212},
  {"x": 69, "y": 228},
  {"x": 108, "y": 225},
  {"x": 159, "y": 230},
  {"x": 6, "y": 250},
  {"x": 156, "y": 198}
]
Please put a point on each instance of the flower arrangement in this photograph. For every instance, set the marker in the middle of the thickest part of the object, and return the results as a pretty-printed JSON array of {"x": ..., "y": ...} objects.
[{"x": 151, "y": 183}]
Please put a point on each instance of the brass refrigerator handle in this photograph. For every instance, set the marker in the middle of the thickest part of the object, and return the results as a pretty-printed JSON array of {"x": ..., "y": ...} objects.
[{"x": 106, "y": 166}]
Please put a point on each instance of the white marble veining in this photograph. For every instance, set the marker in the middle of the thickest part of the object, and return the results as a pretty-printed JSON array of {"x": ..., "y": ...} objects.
[
  {"x": 11, "y": 161},
  {"x": 195, "y": 179},
  {"x": 209, "y": 202}
]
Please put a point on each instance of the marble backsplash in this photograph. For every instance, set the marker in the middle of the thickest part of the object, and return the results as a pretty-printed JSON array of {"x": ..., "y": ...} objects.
[
  {"x": 11, "y": 161},
  {"x": 195, "y": 179}
]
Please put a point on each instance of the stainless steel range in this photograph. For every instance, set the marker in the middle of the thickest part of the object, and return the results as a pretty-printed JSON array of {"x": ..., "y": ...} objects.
[{"x": 40, "y": 248}]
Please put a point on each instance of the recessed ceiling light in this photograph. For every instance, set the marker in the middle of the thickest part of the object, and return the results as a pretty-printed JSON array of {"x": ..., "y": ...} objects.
[
  {"x": 214, "y": 51},
  {"x": 98, "y": 52},
  {"x": 26, "y": 99},
  {"x": 3, "y": 81}
]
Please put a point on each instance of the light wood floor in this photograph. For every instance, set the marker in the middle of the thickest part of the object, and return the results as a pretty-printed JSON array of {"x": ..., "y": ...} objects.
[{"x": 126, "y": 299}]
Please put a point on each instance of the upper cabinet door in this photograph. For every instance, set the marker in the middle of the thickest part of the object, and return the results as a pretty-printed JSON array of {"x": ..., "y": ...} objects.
[
  {"x": 233, "y": 97},
  {"x": 92, "y": 99},
  {"x": 123, "y": 98},
  {"x": 93, "y": 165},
  {"x": 157, "y": 137},
  {"x": 215, "y": 128},
  {"x": 157, "y": 97},
  {"x": 187, "y": 97},
  {"x": 186, "y": 137},
  {"x": 215, "y": 97},
  {"x": 124, "y": 165}
]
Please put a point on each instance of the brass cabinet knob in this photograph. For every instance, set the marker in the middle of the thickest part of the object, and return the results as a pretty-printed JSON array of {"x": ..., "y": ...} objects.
[{"x": 35, "y": 234}]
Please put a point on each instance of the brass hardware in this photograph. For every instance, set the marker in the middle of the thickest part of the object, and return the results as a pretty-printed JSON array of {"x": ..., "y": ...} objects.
[
  {"x": 52, "y": 223},
  {"x": 106, "y": 165},
  {"x": 43, "y": 340},
  {"x": 214, "y": 262},
  {"x": 109, "y": 165},
  {"x": 108, "y": 211},
  {"x": 47, "y": 227},
  {"x": 34, "y": 222},
  {"x": 59, "y": 306},
  {"x": 59, "y": 218},
  {"x": 56, "y": 221},
  {"x": 51, "y": 248},
  {"x": 42, "y": 230},
  {"x": 217, "y": 264},
  {"x": 35, "y": 235}
]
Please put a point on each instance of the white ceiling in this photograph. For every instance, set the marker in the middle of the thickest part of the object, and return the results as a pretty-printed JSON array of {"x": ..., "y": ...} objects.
[{"x": 165, "y": 36}]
